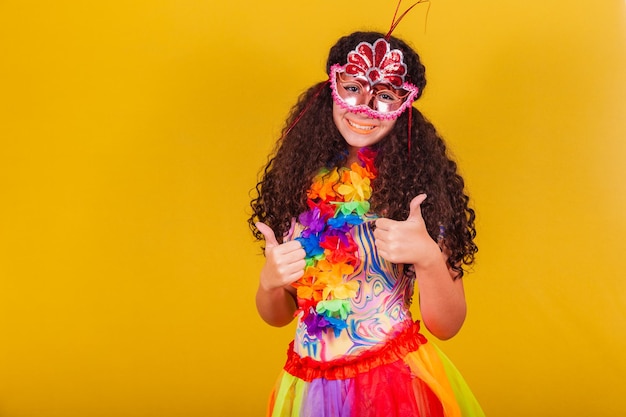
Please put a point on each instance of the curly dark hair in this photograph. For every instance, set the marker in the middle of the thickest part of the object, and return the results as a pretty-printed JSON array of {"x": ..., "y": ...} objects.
[{"x": 314, "y": 141}]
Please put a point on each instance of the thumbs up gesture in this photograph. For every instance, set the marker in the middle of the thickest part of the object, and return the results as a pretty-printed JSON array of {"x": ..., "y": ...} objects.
[
  {"x": 406, "y": 241},
  {"x": 284, "y": 262}
]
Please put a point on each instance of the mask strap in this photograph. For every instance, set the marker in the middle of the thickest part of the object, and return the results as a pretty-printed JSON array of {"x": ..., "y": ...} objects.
[
  {"x": 306, "y": 108},
  {"x": 410, "y": 109}
]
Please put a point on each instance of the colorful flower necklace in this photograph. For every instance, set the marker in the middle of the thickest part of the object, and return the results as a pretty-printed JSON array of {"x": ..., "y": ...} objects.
[{"x": 337, "y": 200}]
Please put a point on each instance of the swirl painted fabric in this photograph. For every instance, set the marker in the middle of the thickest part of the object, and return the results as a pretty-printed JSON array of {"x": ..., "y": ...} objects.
[{"x": 380, "y": 365}]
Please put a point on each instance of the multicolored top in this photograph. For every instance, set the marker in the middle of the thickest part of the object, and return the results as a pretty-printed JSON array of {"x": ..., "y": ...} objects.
[{"x": 349, "y": 298}]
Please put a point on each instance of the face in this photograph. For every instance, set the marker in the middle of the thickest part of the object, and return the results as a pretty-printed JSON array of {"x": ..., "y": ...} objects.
[{"x": 358, "y": 129}]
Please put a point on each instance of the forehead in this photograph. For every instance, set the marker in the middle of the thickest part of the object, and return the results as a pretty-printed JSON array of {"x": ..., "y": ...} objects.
[{"x": 377, "y": 62}]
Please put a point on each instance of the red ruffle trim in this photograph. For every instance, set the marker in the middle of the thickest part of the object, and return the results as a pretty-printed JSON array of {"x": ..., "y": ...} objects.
[{"x": 406, "y": 341}]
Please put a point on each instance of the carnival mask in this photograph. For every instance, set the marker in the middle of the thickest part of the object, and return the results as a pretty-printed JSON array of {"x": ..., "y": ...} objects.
[{"x": 373, "y": 81}]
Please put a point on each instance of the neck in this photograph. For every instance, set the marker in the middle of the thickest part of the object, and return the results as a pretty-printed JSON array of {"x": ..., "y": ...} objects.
[{"x": 352, "y": 155}]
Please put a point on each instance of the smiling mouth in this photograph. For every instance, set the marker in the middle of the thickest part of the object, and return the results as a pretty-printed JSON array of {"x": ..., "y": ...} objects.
[{"x": 360, "y": 128}]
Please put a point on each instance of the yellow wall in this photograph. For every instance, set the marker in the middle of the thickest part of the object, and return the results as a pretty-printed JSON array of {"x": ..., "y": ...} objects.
[{"x": 131, "y": 132}]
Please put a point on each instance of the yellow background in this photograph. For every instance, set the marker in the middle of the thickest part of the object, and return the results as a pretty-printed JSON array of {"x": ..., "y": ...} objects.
[{"x": 132, "y": 131}]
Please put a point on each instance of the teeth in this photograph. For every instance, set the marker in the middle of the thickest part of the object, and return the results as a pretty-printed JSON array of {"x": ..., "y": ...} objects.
[{"x": 361, "y": 127}]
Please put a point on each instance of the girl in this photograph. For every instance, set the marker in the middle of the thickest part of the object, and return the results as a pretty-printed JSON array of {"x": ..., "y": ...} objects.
[{"x": 358, "y": 204}]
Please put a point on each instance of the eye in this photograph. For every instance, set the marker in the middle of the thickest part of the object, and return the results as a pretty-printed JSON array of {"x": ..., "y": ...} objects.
[
  {"x": 387, "y": 96},
  {"x": 351, "y": 88}
]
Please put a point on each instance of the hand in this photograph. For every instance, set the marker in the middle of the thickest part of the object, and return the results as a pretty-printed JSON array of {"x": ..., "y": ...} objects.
[
  {"x": 284, "y": 263},
  {"x": 408, "y": 241}
]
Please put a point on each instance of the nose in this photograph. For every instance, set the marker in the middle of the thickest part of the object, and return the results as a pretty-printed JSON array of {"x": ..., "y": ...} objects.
[{"x": 371, "y": 101}]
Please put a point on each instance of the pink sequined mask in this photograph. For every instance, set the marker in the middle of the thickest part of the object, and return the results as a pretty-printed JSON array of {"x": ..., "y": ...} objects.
[{"x": 373, "y": 81}]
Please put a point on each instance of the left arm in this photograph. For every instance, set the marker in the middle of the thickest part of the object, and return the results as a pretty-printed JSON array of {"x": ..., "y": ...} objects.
[{"x": 442, "y": 298}]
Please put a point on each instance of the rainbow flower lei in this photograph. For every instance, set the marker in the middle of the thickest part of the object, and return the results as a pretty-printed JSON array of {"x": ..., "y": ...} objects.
[{"x": 337, "y": 200}]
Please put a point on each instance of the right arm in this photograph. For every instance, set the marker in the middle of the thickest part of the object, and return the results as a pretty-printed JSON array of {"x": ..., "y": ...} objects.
[{"x": 284, "y": 264}]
